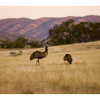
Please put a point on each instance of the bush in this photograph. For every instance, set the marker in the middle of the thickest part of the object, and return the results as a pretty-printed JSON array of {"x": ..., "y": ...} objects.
[
  {"x": 35, "y": 44},
  {"x": 22, "y": 39},
  {"x": 19, "y": 44},
  {"x": 6, "y": 43}
]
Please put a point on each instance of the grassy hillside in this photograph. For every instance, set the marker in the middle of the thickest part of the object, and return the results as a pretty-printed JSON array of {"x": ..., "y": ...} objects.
[{"x": 19, "y": 75}]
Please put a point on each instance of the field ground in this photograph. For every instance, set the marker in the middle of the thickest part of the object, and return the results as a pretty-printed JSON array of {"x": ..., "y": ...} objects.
[{"x": 19, "y": 75}]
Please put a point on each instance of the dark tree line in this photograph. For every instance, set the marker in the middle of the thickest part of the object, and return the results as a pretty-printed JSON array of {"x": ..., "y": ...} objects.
[
  {"x": 20, "y": 42},
  {"x": 66, "y": 33},
  {"x": 69, "y": 32}
]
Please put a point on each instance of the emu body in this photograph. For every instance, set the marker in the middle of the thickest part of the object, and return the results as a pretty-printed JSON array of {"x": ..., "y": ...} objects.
[
  {"x": 39, "y": 54},
  {"x": 68, "y": 58}
]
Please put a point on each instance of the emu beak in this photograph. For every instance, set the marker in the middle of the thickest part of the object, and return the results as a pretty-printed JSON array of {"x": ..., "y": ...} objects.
[
  {"x": 30, "y": 58},
  {"x": 46, "y": 43},
  {"x": 70, "y": 62}
]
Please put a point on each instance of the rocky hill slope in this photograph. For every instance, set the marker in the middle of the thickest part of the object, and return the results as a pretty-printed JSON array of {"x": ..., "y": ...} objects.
[{"x": 37, "y": 28}]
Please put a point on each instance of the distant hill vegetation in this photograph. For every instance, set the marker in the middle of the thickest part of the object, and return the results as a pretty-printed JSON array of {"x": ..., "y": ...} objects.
[
  {"x": 20, "y": 42},
  {"x": 13, "y": 36},
  {"x": 36, "y": 29}
]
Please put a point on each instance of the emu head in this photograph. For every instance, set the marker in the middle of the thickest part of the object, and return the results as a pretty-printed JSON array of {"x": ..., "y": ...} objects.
[
  {"x": 46, "y": 47},
  {"x": 70, "y": 62},
  {"x": 32, "y": 57},
  {"x": 64, "y": 58},
  {"x": 46, "y": 43}
]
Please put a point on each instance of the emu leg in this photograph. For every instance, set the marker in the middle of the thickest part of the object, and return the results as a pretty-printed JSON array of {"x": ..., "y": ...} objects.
[
  {"x": 68, "y": 61},
  {"x": 37, "y": 61}
]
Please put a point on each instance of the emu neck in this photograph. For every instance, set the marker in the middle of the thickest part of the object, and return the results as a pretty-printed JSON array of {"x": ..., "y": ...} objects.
[{"x": 46, "y": 49}]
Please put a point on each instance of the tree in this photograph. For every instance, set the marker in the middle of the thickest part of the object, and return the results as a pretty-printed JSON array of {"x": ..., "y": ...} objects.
[
  {"x": 22, "y": 40},
  {"x": 35, "y": 44},
  {"x": 60, "y": 34},
  {"x": 68, "y": 32},
  {"x": 95, "y": 31},
  {"x": 6, "y": 43},
  {"x": 80, "y": 32},
  {"x": 19, "y": 44}
]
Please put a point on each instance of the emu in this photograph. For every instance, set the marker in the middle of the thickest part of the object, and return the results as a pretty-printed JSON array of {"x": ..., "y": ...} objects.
[
  {"x": 68, "y": 57},
  {"x": 39, "y": 54}
]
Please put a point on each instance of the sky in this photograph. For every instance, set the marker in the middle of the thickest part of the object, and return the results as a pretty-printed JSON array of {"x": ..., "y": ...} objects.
[
  {"x": 35, "y": 9},
  {"x": 35, "y": 12}
]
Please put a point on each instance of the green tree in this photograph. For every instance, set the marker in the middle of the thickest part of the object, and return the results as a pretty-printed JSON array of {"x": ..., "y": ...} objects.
[
  {"x": 95, "y": 31},
  {"x": 19, "y": 44},
  {"x": 60, "y": 34},
  {"x": 80, "y": 32},
  {"x": 22, "y": 40},
  {"x": 6, "y": 43},
  {"x": 35, "y": 44}
]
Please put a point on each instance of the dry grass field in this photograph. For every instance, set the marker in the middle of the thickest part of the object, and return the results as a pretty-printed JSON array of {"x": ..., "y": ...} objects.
[{"x": 19, "y": 75}]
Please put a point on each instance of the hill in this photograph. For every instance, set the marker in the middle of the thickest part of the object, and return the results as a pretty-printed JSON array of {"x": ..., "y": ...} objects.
[
  {"x": 13, "y": 36},
  {"x": 38, "y": 28}
]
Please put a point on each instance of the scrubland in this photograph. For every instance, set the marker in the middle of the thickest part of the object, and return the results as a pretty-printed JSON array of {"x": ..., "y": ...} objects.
[{"x": 19, "y": 75}]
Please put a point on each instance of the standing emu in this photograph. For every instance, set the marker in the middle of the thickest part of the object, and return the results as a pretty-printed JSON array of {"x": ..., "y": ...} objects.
[
  {"x": 39, "y": 54},
  {"x": 68, "y": 57}
]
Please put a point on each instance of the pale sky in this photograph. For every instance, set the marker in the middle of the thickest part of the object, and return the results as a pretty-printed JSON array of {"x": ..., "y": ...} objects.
[{"x": 35, "y": 12}]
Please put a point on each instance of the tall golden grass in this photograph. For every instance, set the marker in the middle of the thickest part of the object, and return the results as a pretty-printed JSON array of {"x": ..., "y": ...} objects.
[{"x": 19, "y": 75}]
